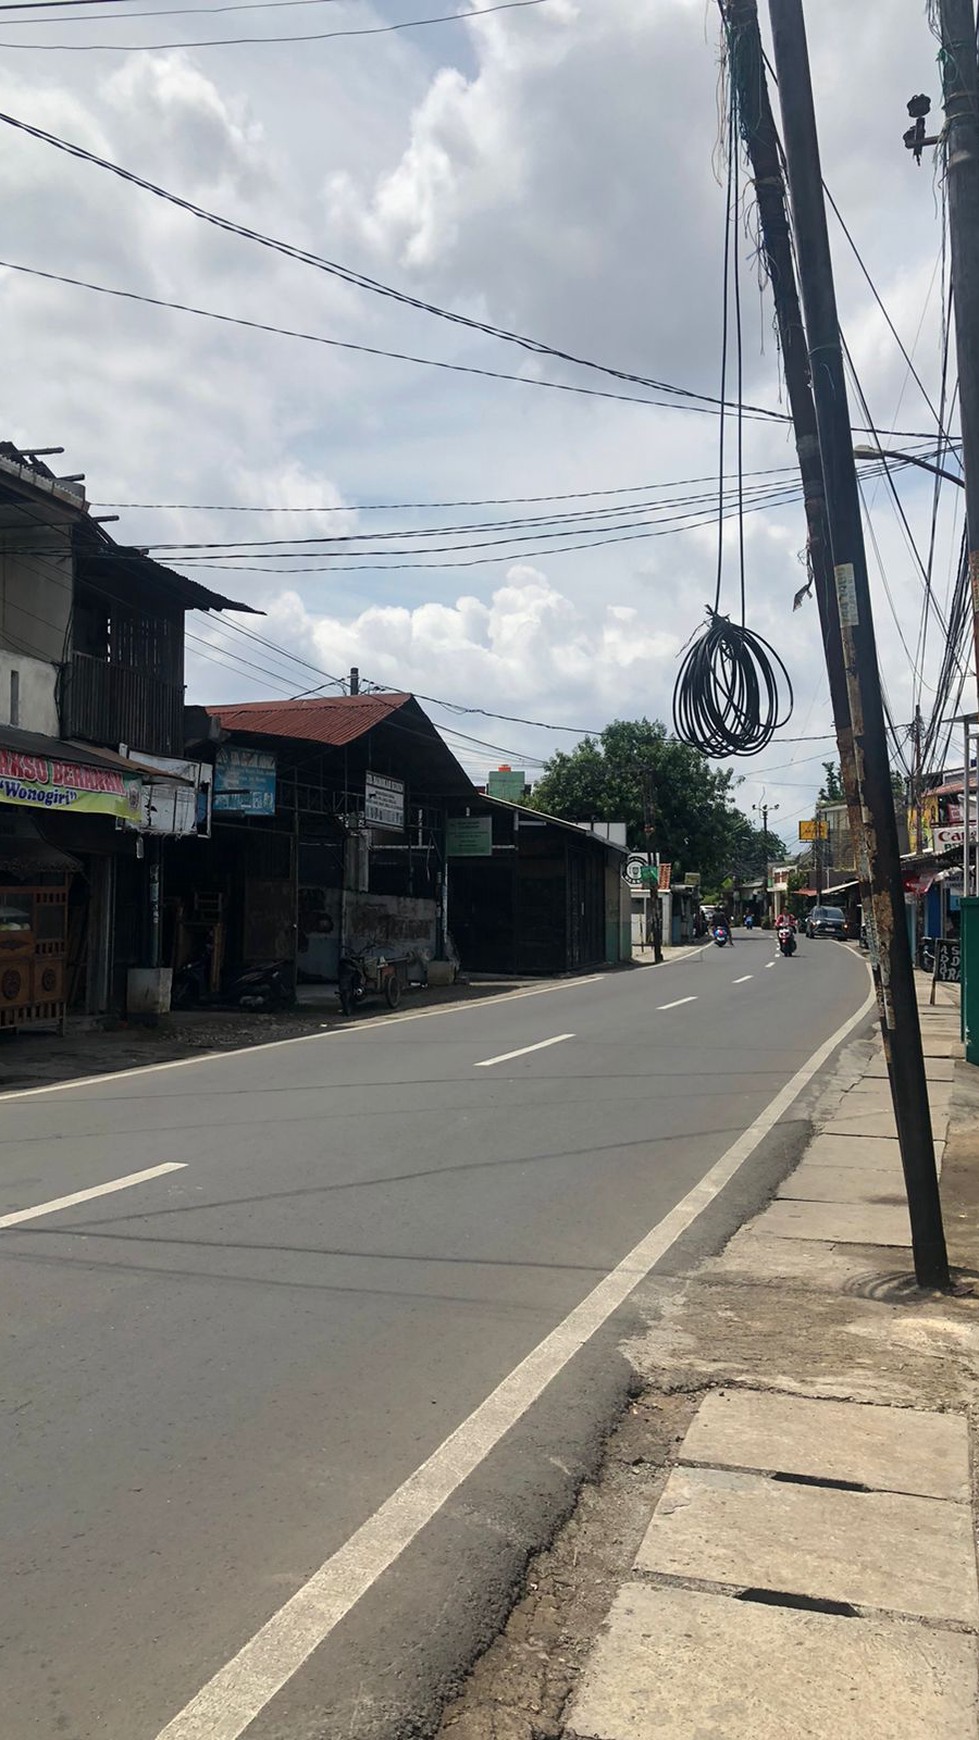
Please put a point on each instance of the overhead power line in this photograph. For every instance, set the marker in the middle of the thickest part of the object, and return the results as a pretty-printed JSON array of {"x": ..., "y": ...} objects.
[
  {"x": 362, "y": 281},
  {"x": 164, "y": 12},
  {"x": 363, "y": 507},
  {"x": 310, "y": 36},
  {"x": 363, "y": 349},
  {"x": 230, "y": 42},
  {"x": 676, "y": 402},
  {"x": 460, "y": 709}
]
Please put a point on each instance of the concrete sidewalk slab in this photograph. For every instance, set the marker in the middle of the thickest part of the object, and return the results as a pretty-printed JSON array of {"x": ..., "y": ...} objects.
[
  {"x": 675, "y": 1664},
  {"x": 874, "y": 1094},
  {"x": 883, "y": 1185},
  {"x": 936, "y": 1068},
  {"x": 877, "y": 1123},
  {"x": 888, "y": 1449},
  {"x": 838, "y": 1223},
  {"x": 753, "y": 1256},
  {"x": 875, "y": 1152},
  {"x": 873, "y": 1549}
]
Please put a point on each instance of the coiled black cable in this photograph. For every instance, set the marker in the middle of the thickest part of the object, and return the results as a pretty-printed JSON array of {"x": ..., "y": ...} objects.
[{"x": 726, "y": 700}]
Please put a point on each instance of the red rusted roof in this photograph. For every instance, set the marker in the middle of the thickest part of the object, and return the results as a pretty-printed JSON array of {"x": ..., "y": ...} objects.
[{"x": 336, "y": 719}]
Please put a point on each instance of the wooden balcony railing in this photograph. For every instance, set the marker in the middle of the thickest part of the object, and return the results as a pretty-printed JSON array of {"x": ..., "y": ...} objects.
[{"x": 113, "y": 704}]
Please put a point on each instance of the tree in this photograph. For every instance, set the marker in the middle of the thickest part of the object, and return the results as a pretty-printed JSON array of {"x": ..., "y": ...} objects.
[
  {"x": 831, "y": 790},
  {"x": 602, "y": 779},
  {"x": 750, "y": 850}
]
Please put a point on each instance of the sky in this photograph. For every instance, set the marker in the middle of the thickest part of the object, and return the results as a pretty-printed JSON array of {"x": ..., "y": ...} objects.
[{"x": 554, "y": 169}]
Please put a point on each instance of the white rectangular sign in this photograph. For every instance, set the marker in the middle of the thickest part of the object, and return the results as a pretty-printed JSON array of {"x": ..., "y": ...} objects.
[
  {"x": 946, "y": 839},
  {"x": 178, "y": 806},
  {"x": 384, "y": 801}
]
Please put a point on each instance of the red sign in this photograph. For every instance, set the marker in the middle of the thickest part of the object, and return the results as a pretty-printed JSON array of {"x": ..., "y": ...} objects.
[
  {"x": 665, "y": 872},
  {"x": 41, "y": 771}
]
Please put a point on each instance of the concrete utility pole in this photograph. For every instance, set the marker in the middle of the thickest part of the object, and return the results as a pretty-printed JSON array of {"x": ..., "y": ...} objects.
[
  {"x": 882, "y": 864},
  {"x": 960, "y": 89},
  {"x": 764, "y": 808},
  {"x": 747, "y": 70}
]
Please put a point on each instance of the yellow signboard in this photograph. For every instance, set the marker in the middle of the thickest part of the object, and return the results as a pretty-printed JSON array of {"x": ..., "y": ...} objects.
[{"x": 813, "y": 830}]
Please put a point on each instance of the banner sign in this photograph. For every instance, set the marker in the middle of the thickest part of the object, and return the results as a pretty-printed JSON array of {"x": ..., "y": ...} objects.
[
  {"x": 814, "y": 830},
  {"x": 384, "y": 801},
  {"x": 244, "y": 782},
  {"x": 43, "y": 784}
]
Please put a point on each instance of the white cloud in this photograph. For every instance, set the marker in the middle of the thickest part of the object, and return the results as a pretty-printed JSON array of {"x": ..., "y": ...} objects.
[{"x": 550, "y": 170}]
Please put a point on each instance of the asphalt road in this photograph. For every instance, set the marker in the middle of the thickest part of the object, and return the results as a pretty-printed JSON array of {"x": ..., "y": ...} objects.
[{"x": 215, "y": 1377}]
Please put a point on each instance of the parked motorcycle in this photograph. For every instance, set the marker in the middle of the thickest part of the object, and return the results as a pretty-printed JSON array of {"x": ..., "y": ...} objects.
[{"x": 262, "y": 987}]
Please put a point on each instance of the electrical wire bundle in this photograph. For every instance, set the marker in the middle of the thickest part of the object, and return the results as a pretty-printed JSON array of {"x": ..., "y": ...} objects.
[{"x": 726, "y": 699}]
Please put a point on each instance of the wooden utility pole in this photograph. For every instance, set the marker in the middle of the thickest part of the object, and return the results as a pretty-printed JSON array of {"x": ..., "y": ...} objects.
[
  {"x": 960, "y": 90},
  {"x": 880, "y": 855}
]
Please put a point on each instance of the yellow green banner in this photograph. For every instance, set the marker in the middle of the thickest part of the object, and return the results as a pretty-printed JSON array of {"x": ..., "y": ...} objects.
[{"x": 41, "y": 783}]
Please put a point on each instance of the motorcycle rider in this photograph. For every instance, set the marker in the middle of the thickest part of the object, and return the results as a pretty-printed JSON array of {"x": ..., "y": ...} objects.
[
  {"x": 722, "y": 922},
  {"x": 785, "y": 933}
]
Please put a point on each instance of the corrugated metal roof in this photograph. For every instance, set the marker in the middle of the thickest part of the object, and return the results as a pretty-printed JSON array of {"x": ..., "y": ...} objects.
[{"x": 334, "y": 720}]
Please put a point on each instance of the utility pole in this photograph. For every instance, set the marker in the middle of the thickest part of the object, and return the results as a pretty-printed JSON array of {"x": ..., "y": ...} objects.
[
  {"x": 882, "y": 865},
  {"x": 649, "y": 834},
  {"x": 764, "y": 807},
  {"x": 747, "y": 68},
  {"x": 960, "y": 90},
  {"x": 917, "y": 782}
]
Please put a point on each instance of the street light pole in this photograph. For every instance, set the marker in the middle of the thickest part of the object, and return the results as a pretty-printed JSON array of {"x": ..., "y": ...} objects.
[{"x": 908, "y": 459}]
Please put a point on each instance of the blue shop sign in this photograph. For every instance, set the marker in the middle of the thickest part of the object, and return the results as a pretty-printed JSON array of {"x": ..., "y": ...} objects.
[{"x": 244, "y": 782}]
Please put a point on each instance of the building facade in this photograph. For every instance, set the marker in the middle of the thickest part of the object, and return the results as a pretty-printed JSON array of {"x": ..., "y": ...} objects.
[{"x": 91, "y": 679}]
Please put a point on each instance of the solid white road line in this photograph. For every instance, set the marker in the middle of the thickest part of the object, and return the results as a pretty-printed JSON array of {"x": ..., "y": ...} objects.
[
  {"x": 377, "y": 1024},
  {"x": 505, "y": 1056},
  {"x": 743, "y": 980},
  {"x": 226, "y": 1706},
  {"x": 114, "y": 1184},
  {"x": 678, "y": 1002}
]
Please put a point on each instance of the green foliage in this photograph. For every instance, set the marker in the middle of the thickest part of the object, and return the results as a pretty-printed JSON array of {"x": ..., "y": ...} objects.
[
  {"x": 750, "y": 850},
  {"x": 797, "y": 903},
  {"x": 695, "y": 826},
  {"x": 831, "y": 790}
]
